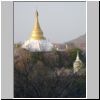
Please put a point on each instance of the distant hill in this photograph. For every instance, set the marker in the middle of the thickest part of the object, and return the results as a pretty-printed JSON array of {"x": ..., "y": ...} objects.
[{"x": 79, "y": 42}]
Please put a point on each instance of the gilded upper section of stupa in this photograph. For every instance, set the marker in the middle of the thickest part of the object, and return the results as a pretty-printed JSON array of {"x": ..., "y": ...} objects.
[{"x": 37, "y": 33}]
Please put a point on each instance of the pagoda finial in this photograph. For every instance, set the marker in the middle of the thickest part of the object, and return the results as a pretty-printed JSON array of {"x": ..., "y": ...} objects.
[
  {"x": 36, "y": 24},
  {"x": 36, "y": 13},
  {"x": 77, "y": 58},
  {"x": 37, "y": 33}
]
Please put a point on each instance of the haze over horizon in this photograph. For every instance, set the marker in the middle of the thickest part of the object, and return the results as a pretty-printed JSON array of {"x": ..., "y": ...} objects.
[{"x": 59, "y": 21}]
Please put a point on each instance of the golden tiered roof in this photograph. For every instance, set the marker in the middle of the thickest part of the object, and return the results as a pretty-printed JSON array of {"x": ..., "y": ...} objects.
[{"x": 37, "y": 33}]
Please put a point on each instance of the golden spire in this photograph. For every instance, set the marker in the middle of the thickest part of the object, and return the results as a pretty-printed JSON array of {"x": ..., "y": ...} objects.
[{"x": 37, "y": 33}]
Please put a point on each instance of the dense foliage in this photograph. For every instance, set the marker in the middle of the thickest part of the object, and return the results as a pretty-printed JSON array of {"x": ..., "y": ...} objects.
[{"x": 47, "y": 75}]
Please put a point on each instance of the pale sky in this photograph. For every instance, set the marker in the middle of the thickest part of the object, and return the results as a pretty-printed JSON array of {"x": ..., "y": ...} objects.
[{"x": 59, "y": 21}]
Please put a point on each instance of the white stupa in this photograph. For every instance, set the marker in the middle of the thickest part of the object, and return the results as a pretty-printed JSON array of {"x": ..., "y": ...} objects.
[
  {"x": 37, "y": 41},
  {"x": 77, "y": 65}
]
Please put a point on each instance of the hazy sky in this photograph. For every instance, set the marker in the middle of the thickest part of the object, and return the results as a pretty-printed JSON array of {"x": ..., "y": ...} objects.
[{"x": 59, "y": 21}]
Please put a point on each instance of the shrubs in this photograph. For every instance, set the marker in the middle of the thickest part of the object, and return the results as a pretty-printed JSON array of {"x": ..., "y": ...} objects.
[
  {"x": 36, "y": 75},
  {"x": 50, "y": 87}
]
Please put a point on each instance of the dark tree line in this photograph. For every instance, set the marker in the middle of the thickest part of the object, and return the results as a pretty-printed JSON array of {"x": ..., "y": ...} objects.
[{"x": 35, "y": 76}]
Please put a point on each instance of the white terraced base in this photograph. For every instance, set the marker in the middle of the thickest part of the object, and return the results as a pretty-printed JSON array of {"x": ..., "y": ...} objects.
[{"x": 37, "y": 45}]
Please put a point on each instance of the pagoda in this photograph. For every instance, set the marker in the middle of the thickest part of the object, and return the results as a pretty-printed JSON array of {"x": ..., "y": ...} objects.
[
  {"x": 77, "y": 65},
  {"x": 37, "y": 42}
]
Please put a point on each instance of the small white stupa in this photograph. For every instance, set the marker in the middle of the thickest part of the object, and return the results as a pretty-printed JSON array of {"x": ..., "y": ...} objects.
[
  {"x": 77, "y": 65},
  {"x": 37, "y": 41}
]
